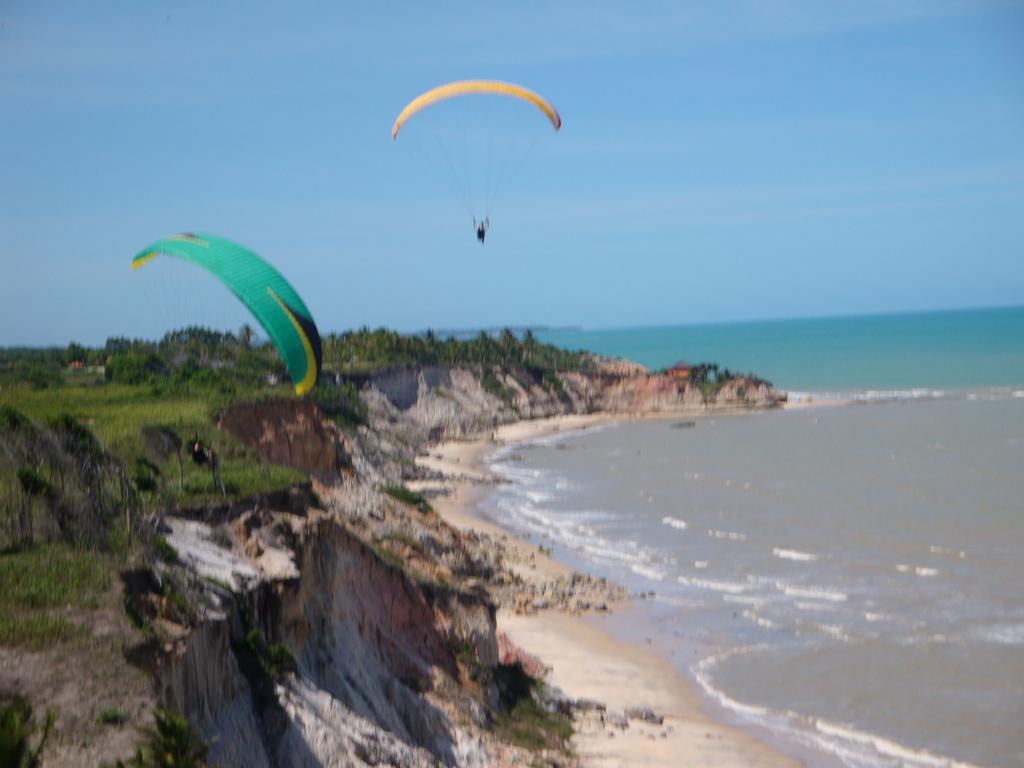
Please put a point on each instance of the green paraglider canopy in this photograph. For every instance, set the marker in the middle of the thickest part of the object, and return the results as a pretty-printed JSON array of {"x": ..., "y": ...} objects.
[{"x": 272, "y": 301}]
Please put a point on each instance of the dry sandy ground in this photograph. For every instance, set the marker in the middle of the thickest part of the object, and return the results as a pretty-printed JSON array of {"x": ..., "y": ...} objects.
[{"x": 586, "y": 662}]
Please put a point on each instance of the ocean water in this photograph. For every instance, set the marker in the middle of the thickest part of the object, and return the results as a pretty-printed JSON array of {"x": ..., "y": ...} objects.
[
  {"x": 880, "y": 354},
  {"x": 848, "y": 577}
]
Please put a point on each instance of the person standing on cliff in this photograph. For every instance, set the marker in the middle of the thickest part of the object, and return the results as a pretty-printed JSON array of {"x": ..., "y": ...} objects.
[{"x": 201, "y": 456}]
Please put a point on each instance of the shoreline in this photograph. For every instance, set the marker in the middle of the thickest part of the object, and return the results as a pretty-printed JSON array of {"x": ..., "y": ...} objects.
[{"x": 585, "y": 658}]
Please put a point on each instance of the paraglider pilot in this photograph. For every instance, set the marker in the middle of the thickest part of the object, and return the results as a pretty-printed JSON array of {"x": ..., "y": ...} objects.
[{"x": 481, "y": 229}]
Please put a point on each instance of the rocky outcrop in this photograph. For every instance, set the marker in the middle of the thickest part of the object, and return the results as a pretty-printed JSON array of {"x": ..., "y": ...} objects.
[
  {"x": 417, "y": 405},
  {"x": 387, "y": 613},
  {"x": 372, "y": 648},
  {"x": 199, "y": 677}
]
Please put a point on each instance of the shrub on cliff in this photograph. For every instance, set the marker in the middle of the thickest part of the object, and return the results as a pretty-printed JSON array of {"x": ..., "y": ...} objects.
[
  {"x": 523, "y": 719},
  {"x": 169, "y": 742},
  {"x": 406, "y": 496},
  {"x": 16, "y": 732},
  {"x": 342, "y": 404}
]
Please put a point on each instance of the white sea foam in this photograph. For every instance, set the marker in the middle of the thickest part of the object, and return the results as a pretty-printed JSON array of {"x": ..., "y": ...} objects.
[
  {"x": 878, "y": 395},
  {"x": 538, "y": 497},
  {"x": 811, "y": 593},
  {"x": 1002, "y": 634},
  {"x": 819, "y": 607},
  {"x": 702, "y": 671},
  {"x": 674, "y": 522},
  {"x": 937, "y": 550},
  {"x": 566, "y": 529},
  {"x": 648, "y": 572},
  {"x": 700, "y": 564},
  {"x": 732, "y": 587},
  {"x": 869, "y": 743},
  {"x": 761, "y": 621},
  {"x": 869, "y": 616},
  {"x": 745, "y": 599},
  {"x": 916, "y": 569},
  {"x": 730, "y": 535},
  {"x": 522, "y": 475},
  {"x": 853, "y": 747},
  {"x": 794, "y": 554},
  {"x": 561, "y": 436},
  {"x": 833, "y": 630}
]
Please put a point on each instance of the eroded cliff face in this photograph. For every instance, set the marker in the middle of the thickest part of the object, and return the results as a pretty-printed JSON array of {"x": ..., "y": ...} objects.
[
  {"x": 378, "y": 603},
  {"x": 289, "y": 433},
  {"x": 417, "y": 405},
  {"x": 375, "y": 678}
]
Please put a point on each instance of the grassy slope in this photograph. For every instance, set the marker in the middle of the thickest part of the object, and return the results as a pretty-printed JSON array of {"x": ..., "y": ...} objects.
[{"x": 116, "y": 413}]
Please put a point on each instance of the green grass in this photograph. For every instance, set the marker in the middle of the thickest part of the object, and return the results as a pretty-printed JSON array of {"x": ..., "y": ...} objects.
[
  {"x": 406, "y": 496},
  {"x": 169, "y": 742},
  {"x": 36, "y": 631},
  {"x": 275, "y": 658},
  {"x": 521, "y": 719},
  {"x": 530, "y": 726},
  {"x": 111, "y": 716},
  {"x": 163, "y": 550},
  {"x": 53, "y": 576},
  {"x": 17, "y": 732},
  {"x": 115, "y": 414},
  {"x": 38, "y": 582},
  {"x": 491, "y": 384}
]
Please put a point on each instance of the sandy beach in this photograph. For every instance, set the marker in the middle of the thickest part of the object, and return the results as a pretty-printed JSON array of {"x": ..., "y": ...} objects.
[{"x": 585, "y": 660}]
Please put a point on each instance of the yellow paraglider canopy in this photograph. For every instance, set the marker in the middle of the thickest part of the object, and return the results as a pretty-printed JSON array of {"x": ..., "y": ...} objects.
[{"x": 465, "y": 87}]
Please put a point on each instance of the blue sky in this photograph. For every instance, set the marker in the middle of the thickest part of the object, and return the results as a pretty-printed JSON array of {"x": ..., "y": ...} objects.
[{"x": 718, "y": 161}]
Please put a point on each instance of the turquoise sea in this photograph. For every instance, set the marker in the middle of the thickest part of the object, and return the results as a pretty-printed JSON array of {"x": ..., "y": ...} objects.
[
  {"x": 957, "y": 350},
  {"x": 844, "y": 578}
]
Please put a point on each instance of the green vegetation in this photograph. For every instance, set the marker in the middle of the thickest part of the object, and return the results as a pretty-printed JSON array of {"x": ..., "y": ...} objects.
[
  {"x": 141, "y": 433},
  {"x": 710, "y": 378},
  {"x": 163, "y": 550},
  {"x": 111, "y": 716},
  {"x": 406, "y": 496},
  {"x": 136, "y": 403},
  {"x": 186, "y": 359},
  {"x": 341, "y": 403},
  {"x": 16, "y": 732},
  {"x": 465, "y": 655},
  {"x": 43, "y": 582},
  {"x": 275, "y": 658},
  {"x": 491, "y": 384},
  {"x": 169, "y": 743},
  {"x": 199, "y": 359},
  {"x": 365, "y": 351},
  {"x": 523, "y": 719}
]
